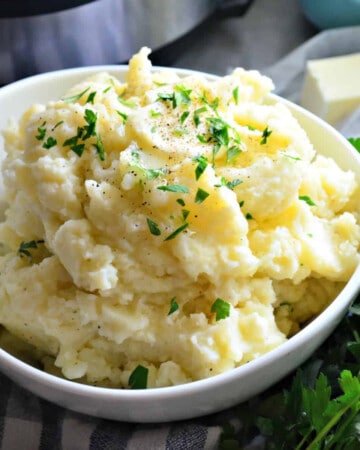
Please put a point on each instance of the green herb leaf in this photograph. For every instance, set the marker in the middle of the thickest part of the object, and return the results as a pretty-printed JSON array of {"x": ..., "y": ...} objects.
[
  {"x": 100, "y": 147},
  {"x": 127, "y": 103},
  {"x": 91, "y": 97},
  {"x": 76, "y": 97},
  {"x": 90, "y": 118},
  {"x": 122, "y": 115},
  {"x": 219, "y": 129},
  {"x": 154, "y": 113},
  {"x": 42, "y": 131},
  {"x": 232, "y": 153},
  {"x": 185, "y": 214},
  {"x": 153, "y": 227},
  {"x": 173, "y": 306},
  {"x": 78, "y": 148},
  {"x": 307, "y": 200},
  {"x": 212, "y": 104},
  {"x": 180, "y": 131},
  {"x": 248, "y": 216},
  {"x": 232, "y": 184},
  {"x": 57, "y": 124},
  {"x": 138, "y": 378},
  {"x": 355, "y": 142},
  {"x": 236, "y": 95},
  {"x": 50, "y": 142},
  {"x": 184, "y": 116},
  {"x": 221, "y": 308},
  {"x": 25, "y": 247},
  {"x": 265, "y": 135},
  {"x": 201, "y": 195},
  {"x": 180, "y": 201},
  {"x": 174, "y": 188},
  {"x": 176, "y": 232},
  {"x": 202, "y": 164},
  {"x": 197, "y": 113}
]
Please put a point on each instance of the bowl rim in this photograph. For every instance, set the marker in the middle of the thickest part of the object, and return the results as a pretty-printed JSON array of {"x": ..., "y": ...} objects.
[{"x": 331, "y": 312}]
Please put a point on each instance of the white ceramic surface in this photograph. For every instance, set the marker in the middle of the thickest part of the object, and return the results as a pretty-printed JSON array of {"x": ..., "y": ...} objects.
[{"x": 200, "y": 397}]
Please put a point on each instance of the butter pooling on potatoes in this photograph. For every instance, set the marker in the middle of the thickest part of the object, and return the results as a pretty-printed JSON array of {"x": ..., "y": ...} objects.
[{"x": 180, "y": 225}]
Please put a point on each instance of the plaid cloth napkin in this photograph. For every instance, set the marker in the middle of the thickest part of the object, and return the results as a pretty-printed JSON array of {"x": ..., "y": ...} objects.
[{"x": 30, "y": 423}]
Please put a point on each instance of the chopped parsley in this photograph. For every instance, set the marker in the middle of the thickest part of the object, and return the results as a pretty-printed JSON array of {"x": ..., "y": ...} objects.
[
  {"x": 229, "y": 184},
  {"x": 236, "y": 95},
  {"x": 184, "y": 116},
  {"x": 265, "y": 135},
  {"x": 122, "y": 115},
  {"x": 50, "y": 142},
  {"x": 153, "y": 227},
  {"x": 201, "y": 195},
  {"x": 185, "y": 214},
  {"x": 127, "y": 103},
  {"x": 25, "y": 247},
  {"x": 197, "y": 113},
  {"x": 202, "y": 164},
  {"x": 138, "y": 378},
  {"x": 180, "y": 201},
  {"x": 176, "y": 232},
  {"x": 90, "y": 118},
  {"x": 150, "y": 174},
  {"x": 221, "y": 308},
  {"x": 355, "y": 142},
  {"x": 154, "y": 113},
  {"x": 42, "y": 132},
  {"x": 219, "y": 130},
  {"x": 212, "y": 104},
  {"x": 307, "y": 200},
  {"x": 248, "y": 216},
  {"x": 75, "y": 98},
  {"x": 174, "y": 188},
  {"x": 57, "y": 124},
  {"x": 180, "y": 131},
  {"x": 180, "y": 96},
  {"x": 99, "y": 146},
  {"x": 173, "y": 306},
  {"x": 91, "y": 97},
  {"x": 232, "y": 153}
]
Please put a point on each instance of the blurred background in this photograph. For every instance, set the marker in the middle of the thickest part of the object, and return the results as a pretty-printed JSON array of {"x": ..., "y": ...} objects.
[{"x": 209, "y": 35}]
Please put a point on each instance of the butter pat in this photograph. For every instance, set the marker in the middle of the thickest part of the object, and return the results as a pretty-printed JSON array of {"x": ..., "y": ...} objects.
[{"x": 332, "y": 87}]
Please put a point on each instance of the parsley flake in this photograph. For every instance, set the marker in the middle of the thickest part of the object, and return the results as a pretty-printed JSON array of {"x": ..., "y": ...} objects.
[
  {"x": 232, "y": 153},
  {"x": 355, "y": 142},
  {"x": 221, "y": 308},
  {"x": 42, "y": 131},
  {"x": 100, "y": 147},
  {"x": 265, "y": 135},
  {"x": 122, "y": 115},
  {"x": 91, "y": 97},
  {"x": 180, "y": 201},
  {"x": 138, "y": 378},
  {"x": 50, "y": 142},
  {"x": 76, "y": 97},
  {"x": 153, "y": 227},
  {"x": 201, "y": 166},
  {"x": 127, "y": 103},
  {"x": 201, "y": 195},
  {"x": 184, "y": 116},
  {"x": 307, "y": 200},
  {"x": 25, "y": 247},
  {"x": 176, "y": 232},
  {"x": 173, "y": 306},
  {"x": 174, "y": 188},
  {"x": 236, "y": 95},
  {"x": 197, "y": 113}
]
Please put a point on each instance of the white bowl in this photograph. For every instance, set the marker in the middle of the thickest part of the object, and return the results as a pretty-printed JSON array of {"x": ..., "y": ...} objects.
[{"x": 200, "y": 397}]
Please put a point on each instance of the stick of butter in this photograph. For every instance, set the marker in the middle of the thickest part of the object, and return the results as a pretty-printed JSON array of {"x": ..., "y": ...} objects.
[{"x": 332, "y": 87}]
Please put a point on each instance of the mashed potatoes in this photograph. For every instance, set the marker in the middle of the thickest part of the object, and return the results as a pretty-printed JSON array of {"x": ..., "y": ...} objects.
[{"x": 179, "y": 226}]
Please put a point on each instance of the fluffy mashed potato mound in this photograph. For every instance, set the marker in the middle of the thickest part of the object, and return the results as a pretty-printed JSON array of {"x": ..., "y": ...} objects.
[{"x": 179, "y": 226}]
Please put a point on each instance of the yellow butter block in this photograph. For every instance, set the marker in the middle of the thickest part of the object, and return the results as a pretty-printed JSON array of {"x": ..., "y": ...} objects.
[{"x": 332, "y": 87}]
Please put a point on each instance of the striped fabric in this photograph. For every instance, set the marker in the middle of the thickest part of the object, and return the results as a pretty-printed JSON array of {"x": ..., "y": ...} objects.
[{"x": 29, "y": 423}]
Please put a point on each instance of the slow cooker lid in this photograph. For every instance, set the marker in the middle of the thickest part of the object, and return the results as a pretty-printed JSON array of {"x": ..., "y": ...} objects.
[{"x": 22, "y": 8}]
